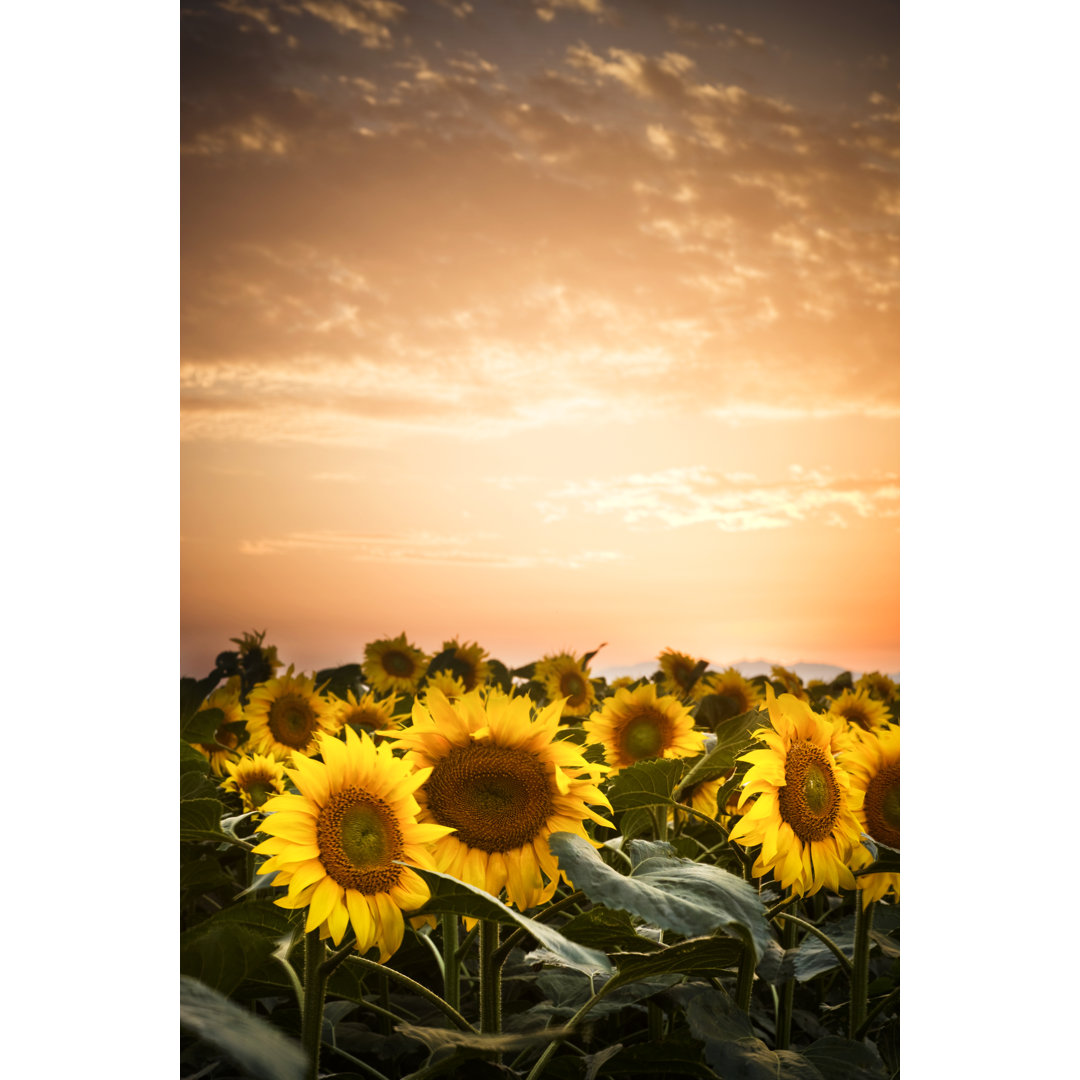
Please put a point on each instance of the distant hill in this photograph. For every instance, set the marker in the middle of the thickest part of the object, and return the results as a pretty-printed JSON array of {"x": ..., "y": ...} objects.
[{"x": 749, "y": 668}]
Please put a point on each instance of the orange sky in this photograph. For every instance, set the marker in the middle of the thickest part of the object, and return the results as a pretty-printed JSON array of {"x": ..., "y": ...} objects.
[{"x": 544, "y": 324}]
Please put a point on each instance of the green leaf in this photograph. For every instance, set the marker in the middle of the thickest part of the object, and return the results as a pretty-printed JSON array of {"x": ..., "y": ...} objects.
[
  {"x": 436, "y": 1039},
  {"x": 667, "y": 1059},
  {"x": 843, "y": 1059},
  {"x": 675, "y": 894},
  {"x": 887, "y": 862},
  {"x": 195, "y": 781},
  {"x": 447, "y": 660},
  {"x": 698, "y": 956},
  {"x": 193, "y": 692},
  {"x": 812, "y": 957},
  {"x": 200, "y": 820},
  {"x": 609, "y": 931},
  {"x": 733, "y": 736},
  {"x": 648, "y": 783},
  {"x": 589, "y": 655},
  {"x": 340, "y": 680},
  {"x": 732, "y": 1048},
  {"x": 526, "y": 671},
  {"x": 256, "y": 1046},
  {"x": 450, "y": 896},
  {"x": 233, "y": 944},
  {"x": 500, "y": 676},
  {"x": 202, "y": 727}
]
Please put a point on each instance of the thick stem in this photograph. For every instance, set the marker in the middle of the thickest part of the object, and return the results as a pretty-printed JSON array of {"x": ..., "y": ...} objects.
[
  {"x": 860, "y": 966},
  {"x": 744, "y": 988},
  {"x": 656, "y": 1023},
  {"x": 787, "y": 991},
  {"x": 490, "y": 979},
  {"x": 451, "y": 965},
  {"x": 660, "y": 816},
  {"x": 314, "y": 1000}
]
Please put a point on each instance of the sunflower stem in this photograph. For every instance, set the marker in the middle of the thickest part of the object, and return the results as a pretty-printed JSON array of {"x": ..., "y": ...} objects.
[
  {"x": 451, "y": 964},
  {"x": 314, "y": 1000},
  {"x": 860, "y": 966},
  {"x": 656, "y": 1023},
  {"x": 831, "y": 945},
  {"x": 660, "y": 816},
  {"x": 785, "y": 1007},
  {"x": 459, "y": 1021},
  {"x": 490, "y": 979},
  {"x": 882, "y": 1004},
  {"x": 744, "y": 988}
]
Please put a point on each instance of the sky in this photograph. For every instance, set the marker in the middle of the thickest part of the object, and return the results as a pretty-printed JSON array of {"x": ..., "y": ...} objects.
[{"x": 542, "y": 324}]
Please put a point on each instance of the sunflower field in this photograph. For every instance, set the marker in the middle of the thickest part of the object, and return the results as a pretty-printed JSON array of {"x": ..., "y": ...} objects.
[{"x": 423, "y": 865}]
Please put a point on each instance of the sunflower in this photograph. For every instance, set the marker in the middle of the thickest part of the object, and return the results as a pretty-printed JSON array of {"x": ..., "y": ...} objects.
[
  {"x": 790, "y": 681},
  {"x": 340, "y": 844},
  {"x": 393, "y": 664},
  {"x": 677, "y": 670},
  {"x": 499, "y": 777},
  {"x": 285, "y": 714},
  {"x": 878, "y": 686},
  {"x": 803, "y": 815},
  {"x": 367, "y": 714},
  {"x": 255, "y": 779},
  {"x": 563, "y": 676},
  {"x": 729, "y": 683},
  {"x": 621, "y": 681},
  {"x": 874, "y": 765},
  {"x": 450, "y": 686},
  {"x": 468, "y": 663},
  {"x": 859, "y": 709},
  {"x": 635, "y": 725},
  {"x": 227, "y": 699}
]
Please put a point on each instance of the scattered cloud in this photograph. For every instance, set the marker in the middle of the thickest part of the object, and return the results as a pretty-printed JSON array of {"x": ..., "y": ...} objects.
[
  {"x": 419, "y": 547},
  {"x": 734, "y": 502},
  {"x": 398, "y": 237}
]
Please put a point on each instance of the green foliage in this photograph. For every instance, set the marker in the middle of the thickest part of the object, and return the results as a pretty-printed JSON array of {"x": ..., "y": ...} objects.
[
  {"x": 340, "y": 680},
  {"x": 454, "y": 897},
  {"x": 257, "y": 1047},
  {"x": 659, "y": 947},
  {"x": 685, "y": 897},
  {"x": 233, "y": 944}
]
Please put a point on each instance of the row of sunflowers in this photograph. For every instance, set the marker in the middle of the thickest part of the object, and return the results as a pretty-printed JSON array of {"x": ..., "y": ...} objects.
[{"x": 376, "y": 804}]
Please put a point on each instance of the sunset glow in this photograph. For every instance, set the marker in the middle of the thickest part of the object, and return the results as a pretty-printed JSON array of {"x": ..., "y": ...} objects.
[{"x": 543, "y": 323}]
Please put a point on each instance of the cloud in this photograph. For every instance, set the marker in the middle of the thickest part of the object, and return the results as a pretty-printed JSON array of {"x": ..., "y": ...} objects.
[
  {"x": 734, "y": 502},
  {"x": 419, "y": 547},
  {"x": 397, "y": 238}
]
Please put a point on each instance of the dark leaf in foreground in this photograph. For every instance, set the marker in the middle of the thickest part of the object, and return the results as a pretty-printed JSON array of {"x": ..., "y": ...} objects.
[{"x": 258, "y": 1048}]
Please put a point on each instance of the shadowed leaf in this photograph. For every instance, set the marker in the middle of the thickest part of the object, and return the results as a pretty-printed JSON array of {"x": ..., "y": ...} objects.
[{"x": 258, "y": 1048}]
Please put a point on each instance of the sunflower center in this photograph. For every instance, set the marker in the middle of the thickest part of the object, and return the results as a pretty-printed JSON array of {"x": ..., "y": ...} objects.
[
  {"x": 856, "y": 714},
  {"x": 359, "y": 839},
  {"x": 882, "y": 806},
  {"x": 398, "y": 664},
  {"x": 682, "y": 673},
  {"x": 497, "y": 797},
  {"x": 810, "y": 798},
  {"x": 647, "y": 735},
  {"x": 292, "y": 721},
  {"x": 572, "y": 685},
  {"x": 366, "y": 719},
  {"x": 258, "y": 791}
]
